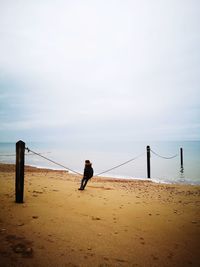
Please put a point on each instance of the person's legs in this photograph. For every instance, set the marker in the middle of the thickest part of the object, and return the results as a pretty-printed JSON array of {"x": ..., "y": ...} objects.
[
  {"x": 85, "y": 183},
  {"x": 82, "y": 184}
]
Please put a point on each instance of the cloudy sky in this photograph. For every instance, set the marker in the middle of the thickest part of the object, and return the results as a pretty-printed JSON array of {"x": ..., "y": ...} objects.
[{"x": 99, "y": 70}]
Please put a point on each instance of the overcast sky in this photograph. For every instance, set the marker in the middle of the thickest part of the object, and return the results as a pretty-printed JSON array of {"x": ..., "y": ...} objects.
[{"x": 99, "y": 70}]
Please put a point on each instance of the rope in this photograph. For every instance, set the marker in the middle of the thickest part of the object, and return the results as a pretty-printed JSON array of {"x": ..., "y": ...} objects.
[
  {"x": 162, "y": 156},
  {"x": 115, "y": 167},
  {"x": 52, "y": 161}
]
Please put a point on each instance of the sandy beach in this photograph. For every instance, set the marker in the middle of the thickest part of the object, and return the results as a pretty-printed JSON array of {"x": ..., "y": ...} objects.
[{"x": 111, "y": 223}]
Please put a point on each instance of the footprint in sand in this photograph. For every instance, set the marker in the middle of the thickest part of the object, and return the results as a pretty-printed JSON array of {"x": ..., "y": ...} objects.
[
  {"x": 142, "y": 241},
  {"x": 20, "y": 245},
  {"x": 38, "y": 192},
  {"x": 154, "y": 257},
  {"x": 170, "y": 256},
  {"x": 20, "y": 224},
  {"x": 96, "y": 218},
  {"x": 115, "y": 220},
  {"x": 25, "y": 251}
]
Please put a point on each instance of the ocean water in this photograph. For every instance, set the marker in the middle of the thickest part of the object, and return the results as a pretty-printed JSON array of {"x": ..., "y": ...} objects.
[{"x": 105, "y": 156}]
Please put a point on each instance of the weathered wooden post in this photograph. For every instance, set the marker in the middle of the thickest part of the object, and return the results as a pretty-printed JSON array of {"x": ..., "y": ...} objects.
[
  {"x": 19, "y": 180},
  {"x": 181, "y": 155},
  {"x": 148, "y": 162}
]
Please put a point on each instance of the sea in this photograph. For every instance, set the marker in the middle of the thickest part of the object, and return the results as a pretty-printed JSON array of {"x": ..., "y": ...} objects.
[{"x": 127, "y": 160}]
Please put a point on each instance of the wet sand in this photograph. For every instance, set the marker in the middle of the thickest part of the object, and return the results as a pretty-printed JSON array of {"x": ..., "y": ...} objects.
[{"x": 111, "y": 223}]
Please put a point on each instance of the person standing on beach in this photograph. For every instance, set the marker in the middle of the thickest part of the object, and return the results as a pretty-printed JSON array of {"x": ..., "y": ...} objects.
[{"x": 87, "y": 175}]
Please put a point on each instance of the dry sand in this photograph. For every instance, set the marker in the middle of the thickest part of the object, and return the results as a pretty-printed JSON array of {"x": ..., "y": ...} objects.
[{"x": 111, "y": 223}]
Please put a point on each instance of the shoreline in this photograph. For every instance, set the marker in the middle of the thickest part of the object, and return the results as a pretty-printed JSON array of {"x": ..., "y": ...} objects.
[{"x": 107, "y": 177}]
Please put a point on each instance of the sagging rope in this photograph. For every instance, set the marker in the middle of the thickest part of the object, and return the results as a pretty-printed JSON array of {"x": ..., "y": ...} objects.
[
  {"x": 52, "y": 161},
  {"x": 115, "y": 167},
  {"x": 163, "y": 156}
]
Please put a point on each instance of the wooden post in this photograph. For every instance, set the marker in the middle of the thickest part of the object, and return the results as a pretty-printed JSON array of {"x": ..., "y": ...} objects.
[
  {"x": 181, "y": 155},
  {"x": 19, "y": 180},
  {"x": 148, "y": 162}
]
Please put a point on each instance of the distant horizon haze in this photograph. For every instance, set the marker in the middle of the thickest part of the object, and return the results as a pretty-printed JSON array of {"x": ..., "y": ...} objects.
[{"x": 99, "y": 71}]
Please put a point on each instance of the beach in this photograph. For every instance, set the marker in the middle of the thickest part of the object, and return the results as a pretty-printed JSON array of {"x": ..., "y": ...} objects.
[{"x": 113, "y": 222}]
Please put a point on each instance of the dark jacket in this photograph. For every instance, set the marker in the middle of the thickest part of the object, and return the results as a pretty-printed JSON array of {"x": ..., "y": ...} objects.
[{"x": 88, "y": 172}]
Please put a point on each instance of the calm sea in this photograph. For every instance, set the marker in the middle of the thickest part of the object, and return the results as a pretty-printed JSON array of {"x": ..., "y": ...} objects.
[{"x": 106, "y": 156}]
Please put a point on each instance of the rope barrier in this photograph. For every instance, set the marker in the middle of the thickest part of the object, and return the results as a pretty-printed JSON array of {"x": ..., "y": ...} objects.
[
  {"x": 69, "y": 169},
  {"x": 52, "y": 161},
  {"x": 115, "y": 167},
  {"x": 162, "y": 156}
]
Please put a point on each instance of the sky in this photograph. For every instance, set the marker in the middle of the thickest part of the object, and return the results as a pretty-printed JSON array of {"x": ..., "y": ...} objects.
[{"x": 99, "y": 70}]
